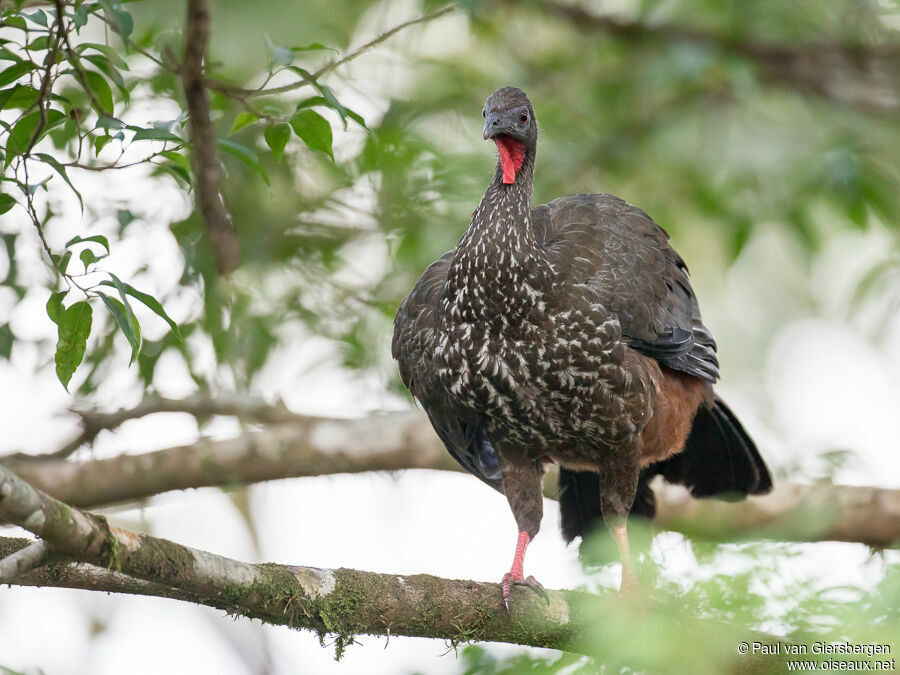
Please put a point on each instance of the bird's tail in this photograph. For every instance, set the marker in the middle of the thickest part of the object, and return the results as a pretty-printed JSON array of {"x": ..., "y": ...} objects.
[{"x": 719, "y": 460}]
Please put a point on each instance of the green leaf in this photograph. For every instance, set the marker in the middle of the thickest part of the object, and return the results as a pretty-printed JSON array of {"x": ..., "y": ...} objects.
[
  {"x": 104, "y": 66},
  {"x": 179, "y": 173},
  {"x": 6, "y": 203},
  {"x": 105, "y": 122},
  {"x": 314, "y": 130},
  {"x": 6, "y": 341},
  {"x": 277, "y": 137},
  {"x": 55, "y": 309},
  {"x": 63, "y": 262},
  {"x": 125, "y": 217},
  {"x": 126, "y": 320},
  {"x": 63, "y": 134},
  {"x": 150, "y": 302},
  {"x": 39, "y": 44},
  {"x": 246, "y": 155},
  {"x": 278, "y": 55},
  {"x": 100, "y": 143},
  {"x": 20, "y": 135},
  {"x": 34, "y": 187},
  {"x": 132, "y": 319},
  {"x": 61, "y": 170},
  {"x": 328, "y": 97},
  {"x": 38, "y": 17},
  {"x": 14, "y": 21},
  {"x": 97, "y": 238},
  {"x": 6, "y": 55},
  {"x": 122, "y": 21},
  {"x": 177, "y": 158},
  {"x": 244, "y": 119},
  {"x": 106, "y": 50},
  {"x": 89, "y": 258},
  {"x": 74, "y": 330},
  {"x": 154, "y": 135},
  {"x": 15, "y": 71},
  {"x": 321, "y": 100},
  {"x": 21, "y": 96},
  {"x": 101, "y": 89},
  {"x": 81, "y": 17},
  {"x": 312, "y": 47},
  {"x": 169, "y": 125}
]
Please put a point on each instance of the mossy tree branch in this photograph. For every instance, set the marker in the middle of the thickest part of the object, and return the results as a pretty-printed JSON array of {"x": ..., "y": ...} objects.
[{"x": 342, "y": 602}]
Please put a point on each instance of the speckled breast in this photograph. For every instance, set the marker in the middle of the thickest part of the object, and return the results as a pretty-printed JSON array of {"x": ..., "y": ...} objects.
[{"x": 538, "y": 377}]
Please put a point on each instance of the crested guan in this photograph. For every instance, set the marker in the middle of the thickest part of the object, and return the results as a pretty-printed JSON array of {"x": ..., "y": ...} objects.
[{"x": 568, "y": 333}]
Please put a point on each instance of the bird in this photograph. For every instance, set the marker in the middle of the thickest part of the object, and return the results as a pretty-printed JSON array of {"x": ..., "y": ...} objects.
[{"x": 568, "y": 333}]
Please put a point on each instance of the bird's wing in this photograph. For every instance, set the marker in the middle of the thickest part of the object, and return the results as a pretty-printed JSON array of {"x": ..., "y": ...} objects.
[
  {"x": 416, "y": 333},
  {"x": 625, "y": 258}
]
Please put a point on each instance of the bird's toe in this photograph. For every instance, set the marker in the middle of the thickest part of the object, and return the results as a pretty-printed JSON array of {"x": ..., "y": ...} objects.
[
  {"x": 536, "y": 586},
  {"x": 505, "y": 584},
  {"x": 509, "y": 581}
]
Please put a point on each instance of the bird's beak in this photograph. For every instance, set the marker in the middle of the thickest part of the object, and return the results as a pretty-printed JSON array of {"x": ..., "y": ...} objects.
[{"x": 493, "y": 125}]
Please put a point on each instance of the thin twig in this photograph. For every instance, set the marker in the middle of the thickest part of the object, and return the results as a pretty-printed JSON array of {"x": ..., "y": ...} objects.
[
  {"x": 93, "y": 421},
  {"x": 115, "y": 165},
  {"x": 231, "y": 90},
  {"x": 46, "y": 83},
  {"x": 80, "y": 74}
]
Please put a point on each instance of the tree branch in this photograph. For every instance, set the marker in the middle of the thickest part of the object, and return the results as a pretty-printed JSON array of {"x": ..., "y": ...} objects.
[
  {"x": 307, "y": 447},
  {"x": 294, "y": 445},
  {"x": 201, "y": 407},
  {"x": 205, "y": 156},
  {"x": 864, "y": 76},
  {"x": 342, "y": 602},
  {"x": 22, "y": 561}
]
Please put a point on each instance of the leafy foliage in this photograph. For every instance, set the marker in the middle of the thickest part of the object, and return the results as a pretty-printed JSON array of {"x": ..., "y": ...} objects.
[
  {"x": 342, "y": 186},
  {"x": 701, "y": 618}
]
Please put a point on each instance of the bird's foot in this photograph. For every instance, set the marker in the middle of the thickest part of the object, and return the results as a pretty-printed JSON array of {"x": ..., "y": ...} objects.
[{"x": 509, "y": 580}]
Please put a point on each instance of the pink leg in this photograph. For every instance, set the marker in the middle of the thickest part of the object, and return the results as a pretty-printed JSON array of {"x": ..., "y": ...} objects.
[
  {"x": 516, "y": 572},
  {"x": 629, "y": 578}
]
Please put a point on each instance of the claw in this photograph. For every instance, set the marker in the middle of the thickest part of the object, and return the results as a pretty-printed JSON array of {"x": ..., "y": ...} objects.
[
  {"x": 509, "y": 580},
  {"x": 504, "y": 586},
  {"x": 536, "y": 586}
]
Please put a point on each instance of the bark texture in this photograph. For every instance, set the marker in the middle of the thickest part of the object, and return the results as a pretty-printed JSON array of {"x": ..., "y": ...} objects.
[{"x": 342, "y": 602}]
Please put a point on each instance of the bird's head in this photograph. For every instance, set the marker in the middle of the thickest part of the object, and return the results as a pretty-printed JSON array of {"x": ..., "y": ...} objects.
[{"x": 509, "y": 121}]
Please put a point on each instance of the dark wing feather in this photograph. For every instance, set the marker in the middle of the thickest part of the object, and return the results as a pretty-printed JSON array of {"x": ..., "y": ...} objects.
[
  {"x": 625, "y": 258},
  {"x": 415, "y": 339}
]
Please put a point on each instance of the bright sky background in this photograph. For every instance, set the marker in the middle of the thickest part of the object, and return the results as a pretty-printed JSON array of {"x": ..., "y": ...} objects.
[{"x": 803, "y": 370}]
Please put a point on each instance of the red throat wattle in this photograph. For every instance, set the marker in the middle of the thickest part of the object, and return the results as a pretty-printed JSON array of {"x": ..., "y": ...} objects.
[{"x": 512, "y": 154}]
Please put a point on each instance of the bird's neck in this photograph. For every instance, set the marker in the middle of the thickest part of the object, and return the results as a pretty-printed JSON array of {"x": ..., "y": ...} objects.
[
  {"x": 501, "y": 232},
  {"x": 498, "y": 262}
]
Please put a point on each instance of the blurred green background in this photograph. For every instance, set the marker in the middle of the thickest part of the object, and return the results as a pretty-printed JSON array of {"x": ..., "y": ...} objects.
[{"x": 763, "y": 136}]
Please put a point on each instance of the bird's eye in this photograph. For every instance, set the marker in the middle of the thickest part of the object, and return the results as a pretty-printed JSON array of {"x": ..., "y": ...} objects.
[
  {"x": 523, "y": 117},
  {"x": 484, "y": 113}
]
